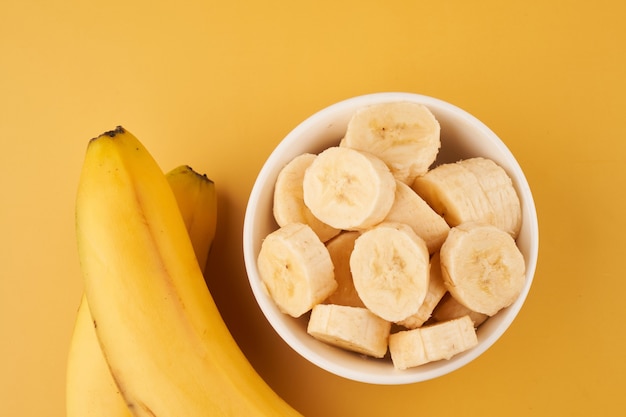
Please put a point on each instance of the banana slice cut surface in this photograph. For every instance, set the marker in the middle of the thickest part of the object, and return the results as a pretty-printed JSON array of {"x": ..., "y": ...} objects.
[
  {"x": 482, "y": 267},
  {"x": 348, "y": 189},
  {"x": 405, "y": 135},
  {"x": 390, "y": 269},
  {"x": 296, "y": 268}
]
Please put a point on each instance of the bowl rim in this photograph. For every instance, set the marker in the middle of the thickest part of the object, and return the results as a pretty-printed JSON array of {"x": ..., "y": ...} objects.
[{"x": 277, "y": 319}]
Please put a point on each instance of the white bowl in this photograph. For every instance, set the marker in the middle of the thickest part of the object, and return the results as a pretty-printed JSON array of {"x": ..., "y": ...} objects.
[{"x": 462, "y": 136}]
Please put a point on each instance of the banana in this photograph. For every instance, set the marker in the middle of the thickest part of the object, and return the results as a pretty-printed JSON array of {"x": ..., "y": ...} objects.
[
  {"x": 196, "y": 197},
  {"x": 436, "y": 291},
  {"x": 482, "y": 267},
  {"x": 168, "y": 349},
  {"x": 353, "y": 328},
  {"x": 448, "y": 309},
  {"x": 405, "y": 135},
  {"x": 296, "y": 269},
  {"x": 410, "y": 348},
  {"x": 409, "y": 208},
  {"x": 389, "y": 267},
  {"x": 340, "y": 248},
  {"x": 289, "y": 204},
  {"x": 348, "y": 189},
  {"x": 472, "y": 190},
  {"x": 90, "y": 388}
]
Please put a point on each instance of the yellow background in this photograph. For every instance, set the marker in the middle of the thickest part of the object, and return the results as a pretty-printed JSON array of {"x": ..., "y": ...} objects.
[{"x": 217, "y": 84}]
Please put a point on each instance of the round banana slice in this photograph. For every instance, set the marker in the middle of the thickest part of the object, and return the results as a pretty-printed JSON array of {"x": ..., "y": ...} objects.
[
  {"x": 405, "y": 135},
  {"x": 411, "y": 209},
  {"x": 348, "y": 189},
  {"x": 410, "y": 348},
  {"x": 289, "y": 204},
  {"x": 482, "y": 267},
  {"x": 472, "y": 190},
  {"x": 296, "y": 269},
  {"x": 340, "y": 248},
  {"x": 389, "y": 267},
  {"x": 352, "y": 328}
]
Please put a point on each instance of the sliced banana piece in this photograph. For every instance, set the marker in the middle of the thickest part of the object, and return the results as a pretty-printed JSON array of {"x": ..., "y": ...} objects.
[
  {"x": 500, "y": 193},
  {"x": 348, "y": 189},
  {"x": 410, "y": 348},
  {"x": 296, "y": 268},
  {"x": 340, "y": 248},
  {"x": 449, "y": 308},
  {"x": 289, "y": 204},
  {"x": 353, "y": 328},
  {"x": 482, "y": 267},
  {"x": 436, "y": 291},
  {"x": 474, "y": 189},
  {"x": 411, "y": 209},
  {"x": 405, "y": 135},
  {"x": 389, "y": 267}
]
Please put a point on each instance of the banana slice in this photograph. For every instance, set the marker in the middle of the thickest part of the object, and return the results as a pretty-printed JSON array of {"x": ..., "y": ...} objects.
[
  {"x": 353, "y": 328},
  {"x": 410, "y": 348},
  {"x": 482, "y": 267},
  {"x": 348, "y": 189},
  {"x": 289, "y": 204},
  {"x": 403, "y": 134},
  {"x": 500, "y": 193},
  {"x": 449, "y": 308},
  {"x": 474, "y": 189},
  {"x": 389, "y": 267},
  {"x": 409, "y": 208},
  {"x": 436, "y": 291},
  {"x": 296, "y": 269},
  {"x": 340, "y": 248}
]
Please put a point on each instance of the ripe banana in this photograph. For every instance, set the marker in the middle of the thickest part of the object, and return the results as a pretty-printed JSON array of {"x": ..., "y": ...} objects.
[
  {"x": 389, "y": 267},
  {"x": 196, "y": 197},
  {"x": 289, "y": 204},
  {"x": 409, "y": 208},
  {"x": 353, "y": 328},
  {"x": 404, "y": 135},
  {"x": 296, "y": 269},
  {"x": 348, "y": 189},
  {"x": 167, "y": 347},
  {"x": 409, "y": 348},
  {"x": 340, "y": 248},
  {"x": 90, "y": 388},
  {"x": 472, "y": 190},
  {"x": 436, "y": 291},
  {"x": 482, "y": 267}
]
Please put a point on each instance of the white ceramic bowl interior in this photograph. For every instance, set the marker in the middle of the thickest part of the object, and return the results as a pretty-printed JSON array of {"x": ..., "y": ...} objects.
[{"x": 462, "y": 136}]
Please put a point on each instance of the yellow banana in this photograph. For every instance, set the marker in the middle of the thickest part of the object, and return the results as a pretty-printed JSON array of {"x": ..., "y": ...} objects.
[
  {"x": 196, "y": 198},
  {"x": 90, "y": 388},
  {"x": 159, "y": 329}
]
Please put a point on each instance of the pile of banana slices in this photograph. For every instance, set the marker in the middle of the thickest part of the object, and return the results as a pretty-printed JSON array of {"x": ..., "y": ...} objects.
[{"x": 386, "y": 253}]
